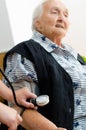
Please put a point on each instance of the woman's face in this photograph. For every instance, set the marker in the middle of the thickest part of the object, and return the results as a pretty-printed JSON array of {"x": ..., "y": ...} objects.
[{"x": 54, "y": 19}]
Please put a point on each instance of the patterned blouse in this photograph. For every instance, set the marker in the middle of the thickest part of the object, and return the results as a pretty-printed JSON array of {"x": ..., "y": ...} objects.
[{"x": 19, "y": 68}]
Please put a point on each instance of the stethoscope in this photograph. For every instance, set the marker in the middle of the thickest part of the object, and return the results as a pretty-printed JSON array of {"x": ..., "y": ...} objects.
[{"x": 39, "y": 101}]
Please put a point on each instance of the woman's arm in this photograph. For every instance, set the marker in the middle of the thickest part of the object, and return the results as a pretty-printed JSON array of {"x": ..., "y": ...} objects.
[{"x": 33, "y": 120}]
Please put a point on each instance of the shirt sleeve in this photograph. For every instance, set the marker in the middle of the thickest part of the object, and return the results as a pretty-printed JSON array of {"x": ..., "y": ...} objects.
[{"x": 20, "y": 68}]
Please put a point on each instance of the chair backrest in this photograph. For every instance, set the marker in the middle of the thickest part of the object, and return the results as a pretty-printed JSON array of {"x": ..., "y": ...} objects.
[{"x": 2, "y": 54}]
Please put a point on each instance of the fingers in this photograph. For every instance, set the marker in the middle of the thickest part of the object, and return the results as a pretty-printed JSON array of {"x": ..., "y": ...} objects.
[
  {"x": 19, "y": 119},
  {"x": 13, "y": 128},
  {"x": 28, "y": 104},
  {"x": 15, "y": 124},
  {"x": 31, "y": 95}
]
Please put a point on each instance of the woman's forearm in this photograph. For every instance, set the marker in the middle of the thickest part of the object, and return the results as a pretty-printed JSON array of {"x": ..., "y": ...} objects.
[{"x": 33, "y": 120}]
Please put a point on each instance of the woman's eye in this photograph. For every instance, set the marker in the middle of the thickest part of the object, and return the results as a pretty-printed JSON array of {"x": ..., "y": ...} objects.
[
  {"x": 54, "y": 12},
  {"x": 66, "y": 14}
]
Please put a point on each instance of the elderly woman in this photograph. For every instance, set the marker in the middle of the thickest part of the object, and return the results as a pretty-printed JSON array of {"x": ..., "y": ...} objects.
[{"x": 48, "y": 66}]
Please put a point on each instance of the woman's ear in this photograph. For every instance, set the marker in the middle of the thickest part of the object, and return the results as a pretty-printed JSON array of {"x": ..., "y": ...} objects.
[{"x": 37, "y": 24}]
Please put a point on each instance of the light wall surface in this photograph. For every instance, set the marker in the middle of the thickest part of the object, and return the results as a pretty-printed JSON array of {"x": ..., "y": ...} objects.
[
  {"x": 20, "y": 18},
  {"x": 6, "y": 38}
]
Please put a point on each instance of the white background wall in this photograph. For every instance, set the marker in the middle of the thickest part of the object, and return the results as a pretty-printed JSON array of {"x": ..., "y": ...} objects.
[
  {"x": 6, "y": 39},
  {"x": 20, "y": 13}
]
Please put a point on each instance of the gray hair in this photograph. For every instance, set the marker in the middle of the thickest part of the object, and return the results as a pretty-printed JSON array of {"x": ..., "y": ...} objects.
[{"x": 37, "y": 13}]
